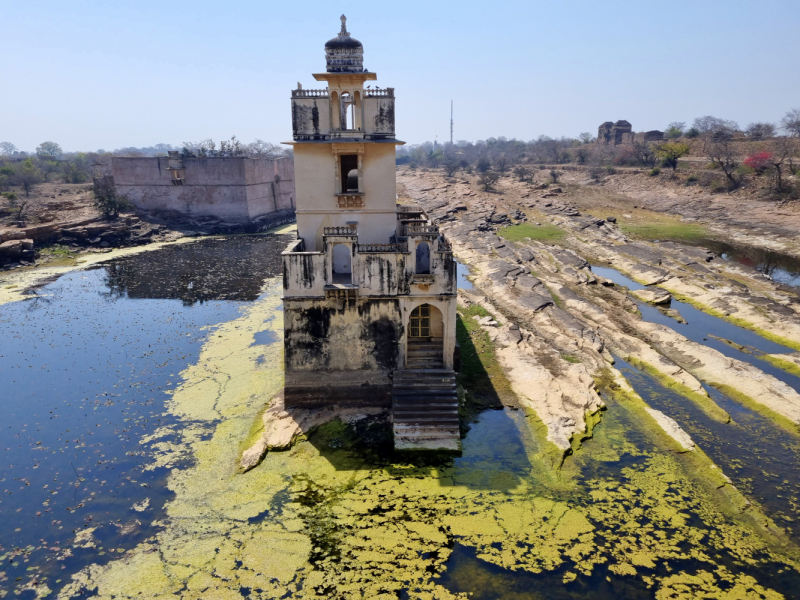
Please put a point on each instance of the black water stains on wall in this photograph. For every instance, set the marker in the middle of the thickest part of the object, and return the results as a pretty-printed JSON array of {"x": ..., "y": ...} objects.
[
  {"x": 384, "y": 334},
  {"x": 384, "y": 120},
  {"x": 315, "y": 334}
]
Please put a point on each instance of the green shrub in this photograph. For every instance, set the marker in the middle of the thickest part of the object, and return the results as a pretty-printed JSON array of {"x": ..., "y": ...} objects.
[
  {"x": 108, "y": 201},
  {"x": 745, "y": 170},
  {"x": 9, "y": 195},
  {"x": 655, "y": 171},
  {"x": 718, "y": 186},
  {"x": 611, "y": 170},
  {"x": 692, "y": 179}
]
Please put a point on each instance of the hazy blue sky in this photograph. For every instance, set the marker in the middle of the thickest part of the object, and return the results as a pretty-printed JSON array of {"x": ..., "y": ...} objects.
[{"x": 105, "y": 74}]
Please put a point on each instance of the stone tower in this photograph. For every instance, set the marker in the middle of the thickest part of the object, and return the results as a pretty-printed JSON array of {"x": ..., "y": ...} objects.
[{"x": 369, "y": 285}]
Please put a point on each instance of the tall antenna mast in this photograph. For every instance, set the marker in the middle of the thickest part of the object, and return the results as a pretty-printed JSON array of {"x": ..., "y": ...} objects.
[{"x": 451, "y": 122}]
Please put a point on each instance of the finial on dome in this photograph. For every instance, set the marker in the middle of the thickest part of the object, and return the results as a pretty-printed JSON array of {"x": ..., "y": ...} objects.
[{"x": 344, "y": 32}]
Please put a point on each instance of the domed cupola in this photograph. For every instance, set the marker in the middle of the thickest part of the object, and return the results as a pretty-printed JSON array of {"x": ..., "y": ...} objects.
[{"x": 343, "y": 53}]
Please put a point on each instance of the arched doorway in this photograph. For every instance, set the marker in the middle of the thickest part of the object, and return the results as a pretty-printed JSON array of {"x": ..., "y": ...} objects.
[
  {"x": 425, "y": 346},
  {"x": 342, "y": 269},
  {"x": 423, "y": 258}
]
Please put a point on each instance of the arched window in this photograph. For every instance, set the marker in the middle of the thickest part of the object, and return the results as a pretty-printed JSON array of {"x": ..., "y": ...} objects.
[
  {"x": 347, "y": 114},
  {"x": 423, "y": 258}
]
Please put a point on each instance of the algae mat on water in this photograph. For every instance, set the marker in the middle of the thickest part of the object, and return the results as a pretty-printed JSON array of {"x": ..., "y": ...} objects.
[{"x": 331, "y": 518}]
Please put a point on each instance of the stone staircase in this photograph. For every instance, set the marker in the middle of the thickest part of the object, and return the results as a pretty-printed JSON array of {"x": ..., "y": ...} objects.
[
  {"x": 424, "y": 355},
  {"x": 425, "y": 408}
]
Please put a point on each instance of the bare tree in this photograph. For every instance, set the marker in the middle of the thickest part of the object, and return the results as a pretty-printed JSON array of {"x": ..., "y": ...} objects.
[
  {"x": 262, "y": 149},
  {"x": 582, "y": 155},
  {"x": 709, "y": 127},
  {"x": 760, "y": 131},
  {"x": 501, "y": 162},
  {"x": 781, "y": 151},
  {"x": 7, "y": 149},
  {"x": 791, "y": 122},
  {"x": 49, "y": 151},
  {"x": 450, "y": 167},
  {"x": 586, "y": 138},
  {"x": 487, "y": 180},
  {"x": 523, "y": 173},
  {"x": 722, "y": 151},
  {"x": 554, "y": 175},
  {"x": 641, "y": 153},
  {"x": 17, "y": 204}
]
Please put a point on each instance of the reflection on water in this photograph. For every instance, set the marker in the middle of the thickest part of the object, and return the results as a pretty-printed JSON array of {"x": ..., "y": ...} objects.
[
  {"x": 701, "y": 327},
  {"x": 212, "y": 269},
  {"x": 462, "y": 271},
  {"x": 84, "y": 368},
  {"x": 780, "y": 267}
]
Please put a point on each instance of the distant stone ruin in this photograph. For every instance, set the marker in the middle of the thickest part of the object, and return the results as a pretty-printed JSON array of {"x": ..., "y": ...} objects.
[{"x": 621, "y": 132}]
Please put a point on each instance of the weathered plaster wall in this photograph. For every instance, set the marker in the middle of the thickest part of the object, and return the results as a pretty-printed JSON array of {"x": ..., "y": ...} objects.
[
  {"x": 382, "y": 274},
  {"x": 316, "y": 194},
  {"x": 311, "y": 117},
  {"x": 303, "y": 272},
  {"x": 231, "y": 188},
  {"x": 379, "y": 116},
  {"x": 341, "y": 351}
]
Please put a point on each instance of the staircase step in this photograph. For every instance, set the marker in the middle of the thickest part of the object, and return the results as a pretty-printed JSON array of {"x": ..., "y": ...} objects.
[{"x": 425, "y": 402}]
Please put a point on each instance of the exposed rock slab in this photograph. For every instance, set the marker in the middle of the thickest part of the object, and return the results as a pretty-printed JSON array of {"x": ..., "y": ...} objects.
[{"x": 653, "y": 296}]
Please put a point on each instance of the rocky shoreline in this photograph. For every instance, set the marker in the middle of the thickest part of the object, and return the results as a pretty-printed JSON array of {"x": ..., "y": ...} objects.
[
  {"x": 562, "y": 322},
  {"x": 23, "y": 246}
]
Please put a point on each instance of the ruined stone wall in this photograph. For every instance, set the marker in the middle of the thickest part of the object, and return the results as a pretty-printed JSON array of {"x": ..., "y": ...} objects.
[
  {"x": 237, "y": 189},
  {"x": 341, "y": 350}
]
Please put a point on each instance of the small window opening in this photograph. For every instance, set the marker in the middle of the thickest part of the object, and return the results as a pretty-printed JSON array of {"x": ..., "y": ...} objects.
[
  {"x": 348, "y": 111},
  {"x": 423, "y": 258},
  {"x": 349, "y": 171},
  {"x": 342, "y": 270}
]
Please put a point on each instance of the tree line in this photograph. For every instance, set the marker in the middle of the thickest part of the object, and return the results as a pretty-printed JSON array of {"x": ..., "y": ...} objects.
[
  {"x": 21, "y": 172},
  {"x": 761, "y": 148}
]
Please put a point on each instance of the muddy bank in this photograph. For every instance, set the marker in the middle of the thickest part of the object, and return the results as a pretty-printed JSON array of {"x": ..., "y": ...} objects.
[{"x": 64, "y": 239}]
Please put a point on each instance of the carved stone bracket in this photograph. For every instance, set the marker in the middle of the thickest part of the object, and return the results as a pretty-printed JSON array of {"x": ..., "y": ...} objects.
[{"x": 350, "y": 200}]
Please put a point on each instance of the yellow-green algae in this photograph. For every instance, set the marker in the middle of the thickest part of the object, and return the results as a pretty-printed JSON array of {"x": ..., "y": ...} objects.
[
  {"x": 706, "y": 404},
  {"x": 784, "y": 365},
  {"x": 319, "y": 521},
  {"x": 758, "y": 407}
]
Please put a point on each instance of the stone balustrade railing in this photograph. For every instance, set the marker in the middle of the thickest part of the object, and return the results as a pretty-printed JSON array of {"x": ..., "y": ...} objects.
[
  {"x": 310, "y": 93},
  {"x": 349, "y": 231},
  {"x": 422, "y": 229},
  {"x": 383, "y": 248},
  {"x": 379, "y": 92}
]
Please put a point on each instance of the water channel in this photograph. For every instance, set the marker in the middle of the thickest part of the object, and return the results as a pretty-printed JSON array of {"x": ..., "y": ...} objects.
[
  {"x": 110, "y": 461},
  {"x": 782, "y": 268},
  {"x": 706, "y": 329}
]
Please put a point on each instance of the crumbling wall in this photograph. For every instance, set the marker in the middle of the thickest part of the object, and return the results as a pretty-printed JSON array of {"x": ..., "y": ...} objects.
[
  {"x": 237, "y": 189},
  {"x": 341, "y": 350},
  {"x": 621, "y": 132}
]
